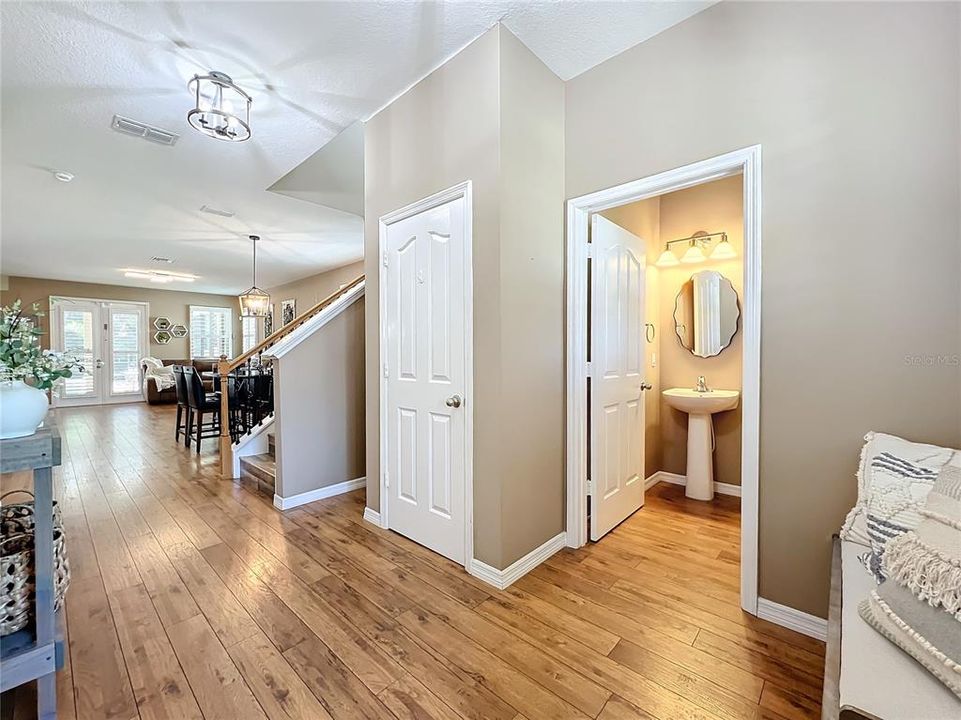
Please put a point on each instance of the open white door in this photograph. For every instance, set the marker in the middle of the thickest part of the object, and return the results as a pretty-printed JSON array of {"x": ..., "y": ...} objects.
[
  {"x": 424, "y": 422},
  {"x": 617, "y": 375}
]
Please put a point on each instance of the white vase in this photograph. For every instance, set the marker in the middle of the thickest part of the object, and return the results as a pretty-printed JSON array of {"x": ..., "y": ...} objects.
[{"x": 22, "y": 409}]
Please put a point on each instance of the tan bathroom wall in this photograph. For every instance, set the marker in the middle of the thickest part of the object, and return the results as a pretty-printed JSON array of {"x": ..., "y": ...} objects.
[
  {"x": 712, "y": 207},
  {"x": 643, "y": 219},
  {"x": 173, "y": 304},
  {"x": 861, "y": 304}
]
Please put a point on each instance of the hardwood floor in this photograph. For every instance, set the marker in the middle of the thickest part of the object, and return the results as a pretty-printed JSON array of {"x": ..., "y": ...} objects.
[{"x": 192, "y": 597}]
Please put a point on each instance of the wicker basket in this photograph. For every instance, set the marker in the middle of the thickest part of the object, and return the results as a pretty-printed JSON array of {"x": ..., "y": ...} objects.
[{"x": 17, "y": 569}]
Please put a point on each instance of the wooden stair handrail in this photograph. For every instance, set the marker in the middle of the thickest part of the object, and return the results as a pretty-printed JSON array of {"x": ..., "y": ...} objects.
[
  {"x": 283, "y": 332},
  {"x": 224, "y": 366}
]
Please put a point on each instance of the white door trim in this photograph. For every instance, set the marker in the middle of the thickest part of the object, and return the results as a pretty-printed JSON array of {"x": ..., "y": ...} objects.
[
  {"x": 748, "y": 162},
  {"x": 461, "y": 190}
]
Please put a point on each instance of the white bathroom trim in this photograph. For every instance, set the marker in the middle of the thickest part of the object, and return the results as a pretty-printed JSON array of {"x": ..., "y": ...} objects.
[
  {"x": 802, "y": 622},
  {"x": 675, "y": 479},
  {"x": 747, "y": 162}
]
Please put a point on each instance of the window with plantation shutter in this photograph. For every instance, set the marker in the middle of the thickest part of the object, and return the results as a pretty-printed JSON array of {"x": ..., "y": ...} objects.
[
  {"x": 248, "y": 332},
  {"x": 210, "y": 332}
]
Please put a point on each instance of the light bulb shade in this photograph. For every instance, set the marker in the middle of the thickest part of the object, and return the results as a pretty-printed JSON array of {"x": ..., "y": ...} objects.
[
  {"x": 254, "y": 303},
  {"x": 667, "y": 259},
  {"x": 221, "y": 109},
  {"x": 723, "y": 251},
  {"x": 694, "y": 254}
]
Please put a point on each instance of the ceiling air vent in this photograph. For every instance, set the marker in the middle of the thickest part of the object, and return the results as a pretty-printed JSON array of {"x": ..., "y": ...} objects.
[
  {"x": 142, "y": 130},
  {"x": 214, "y": 211}
]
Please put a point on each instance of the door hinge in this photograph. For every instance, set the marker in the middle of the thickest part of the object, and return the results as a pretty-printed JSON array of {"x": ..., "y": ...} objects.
[
  {"x": 386, "y": 371},
  {"x": 386, "y": 479},
  {"x": 589, "y": 368},
  {"x": 590, "y": 486},
  {"x": 590, "y": 250},
  {"x": 385, "y": 258}
]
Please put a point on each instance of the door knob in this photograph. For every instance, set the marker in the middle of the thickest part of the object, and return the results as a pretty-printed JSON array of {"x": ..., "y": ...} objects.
[
  {"x": 646, "y": 386},
  {"x": 454, "y": 401}
]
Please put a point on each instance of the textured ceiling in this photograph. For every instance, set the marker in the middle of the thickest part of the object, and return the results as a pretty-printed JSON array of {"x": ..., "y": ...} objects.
[{"x": 313, "y": 68}]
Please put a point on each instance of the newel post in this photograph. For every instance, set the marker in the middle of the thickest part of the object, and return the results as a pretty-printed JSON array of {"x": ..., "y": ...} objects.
[{"x": 226, "y": 448}]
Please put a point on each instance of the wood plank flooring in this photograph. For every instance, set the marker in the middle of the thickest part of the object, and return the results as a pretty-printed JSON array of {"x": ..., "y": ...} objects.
[{"x": 192, "y": 597}]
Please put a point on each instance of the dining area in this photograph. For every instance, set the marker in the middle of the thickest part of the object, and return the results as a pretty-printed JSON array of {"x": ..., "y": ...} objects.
[{"x": 199, "y": 394}]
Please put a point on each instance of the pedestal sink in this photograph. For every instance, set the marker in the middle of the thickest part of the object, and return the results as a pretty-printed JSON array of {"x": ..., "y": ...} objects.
[{"x": 700, "y": 406}]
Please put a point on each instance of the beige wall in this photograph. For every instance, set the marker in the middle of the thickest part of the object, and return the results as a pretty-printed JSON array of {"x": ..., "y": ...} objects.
[
  {"x": 530, "y": 421},
  {"x": 167, "y": 303},
  {"x": 493, "y": 115},
  {"x": 311, "y": 290},
  {"x": 643, "y": 218},
  {"x": 856, "y": 107},
  {"x": 319, "y": 395},
  {"x": 443, "y": 131},
  {"x": 712, "y": 207}
]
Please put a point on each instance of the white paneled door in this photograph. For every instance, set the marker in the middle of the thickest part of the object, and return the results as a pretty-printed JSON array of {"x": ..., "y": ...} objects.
[
  {"x": 424, "y": 304},
  {"x": 617, "y": 375},
  {"x": 109, "y": 339}
]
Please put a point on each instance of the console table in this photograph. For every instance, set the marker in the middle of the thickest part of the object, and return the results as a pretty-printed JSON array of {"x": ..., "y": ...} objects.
[{"x": 36, "y": 652}]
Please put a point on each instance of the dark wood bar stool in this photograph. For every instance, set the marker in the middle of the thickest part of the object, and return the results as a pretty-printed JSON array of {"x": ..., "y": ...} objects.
[
  {"x": 183, "y": 411},
  {"x": 199, "y": 404}
]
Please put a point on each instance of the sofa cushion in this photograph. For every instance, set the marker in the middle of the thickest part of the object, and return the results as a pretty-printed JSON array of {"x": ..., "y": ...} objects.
[
  {"x": 894, "y": 478},
  {"x": 877, "y": 679}
]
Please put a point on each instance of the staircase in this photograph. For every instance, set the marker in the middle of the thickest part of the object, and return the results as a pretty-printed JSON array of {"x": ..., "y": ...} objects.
[
  {"x": 244, "y": 423},
  {"x": 261, "y": 470}
]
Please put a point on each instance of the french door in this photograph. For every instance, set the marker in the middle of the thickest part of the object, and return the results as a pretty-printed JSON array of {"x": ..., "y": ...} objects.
[{"x": 109, "y": 338}]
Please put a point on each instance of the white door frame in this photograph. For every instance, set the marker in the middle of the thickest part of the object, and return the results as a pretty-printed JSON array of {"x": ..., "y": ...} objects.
[
  {"x": 56, "y": 339},
  {"x": 461, "y": 190},
  {"x": 748, "y": 162}
]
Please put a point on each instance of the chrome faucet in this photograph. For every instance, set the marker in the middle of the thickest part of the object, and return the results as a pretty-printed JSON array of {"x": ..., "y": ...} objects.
[{"x": 701, "y": 385}]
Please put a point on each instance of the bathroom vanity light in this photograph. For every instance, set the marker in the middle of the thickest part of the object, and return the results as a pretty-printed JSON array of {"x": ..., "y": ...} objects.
[
  {"x": 695, "y": 251},
  {"x": 723, "y": 250}
]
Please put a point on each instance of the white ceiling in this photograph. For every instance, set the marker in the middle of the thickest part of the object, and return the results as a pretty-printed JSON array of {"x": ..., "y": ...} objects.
[{"x": 313, "y": 68}]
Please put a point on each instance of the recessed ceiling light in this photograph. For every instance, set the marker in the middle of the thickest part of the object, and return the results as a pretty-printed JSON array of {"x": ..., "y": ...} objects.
[
  {"x": 158, "y": 276},
  {"x": 63, "y": 176}
]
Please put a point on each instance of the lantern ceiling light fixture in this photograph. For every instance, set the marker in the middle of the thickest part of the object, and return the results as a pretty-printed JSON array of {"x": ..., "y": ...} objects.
[
  {"x": 254, "y": 302},
  {"x": 221, "y": 109}
]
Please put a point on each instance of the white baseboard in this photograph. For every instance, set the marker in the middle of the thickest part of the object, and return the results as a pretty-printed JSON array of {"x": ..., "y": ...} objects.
[
  {"x": 286, "y": 503},
  {"x": 516, "y": 570},
  {"x": 675, "y": 479},
  {"x": 372, "y": 516},
  {"x": 802, "y": 622}
]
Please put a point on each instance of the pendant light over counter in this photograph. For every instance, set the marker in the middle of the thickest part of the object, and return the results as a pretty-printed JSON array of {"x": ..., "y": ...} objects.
[{"x": 254, "y": 302}]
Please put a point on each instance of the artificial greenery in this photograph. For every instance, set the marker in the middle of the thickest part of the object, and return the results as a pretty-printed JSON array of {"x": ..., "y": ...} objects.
[{"x": 20, "y": 355}]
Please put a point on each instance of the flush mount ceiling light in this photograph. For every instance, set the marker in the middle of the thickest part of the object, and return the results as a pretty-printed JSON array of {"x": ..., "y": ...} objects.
[
  {"x": 221, "y": 109},
  {"x": 695, "y": 251},
  {"x": 254, "y": 302},
  {"x": 157, "y": 276},
  {"x": 63, "y": 176}
]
